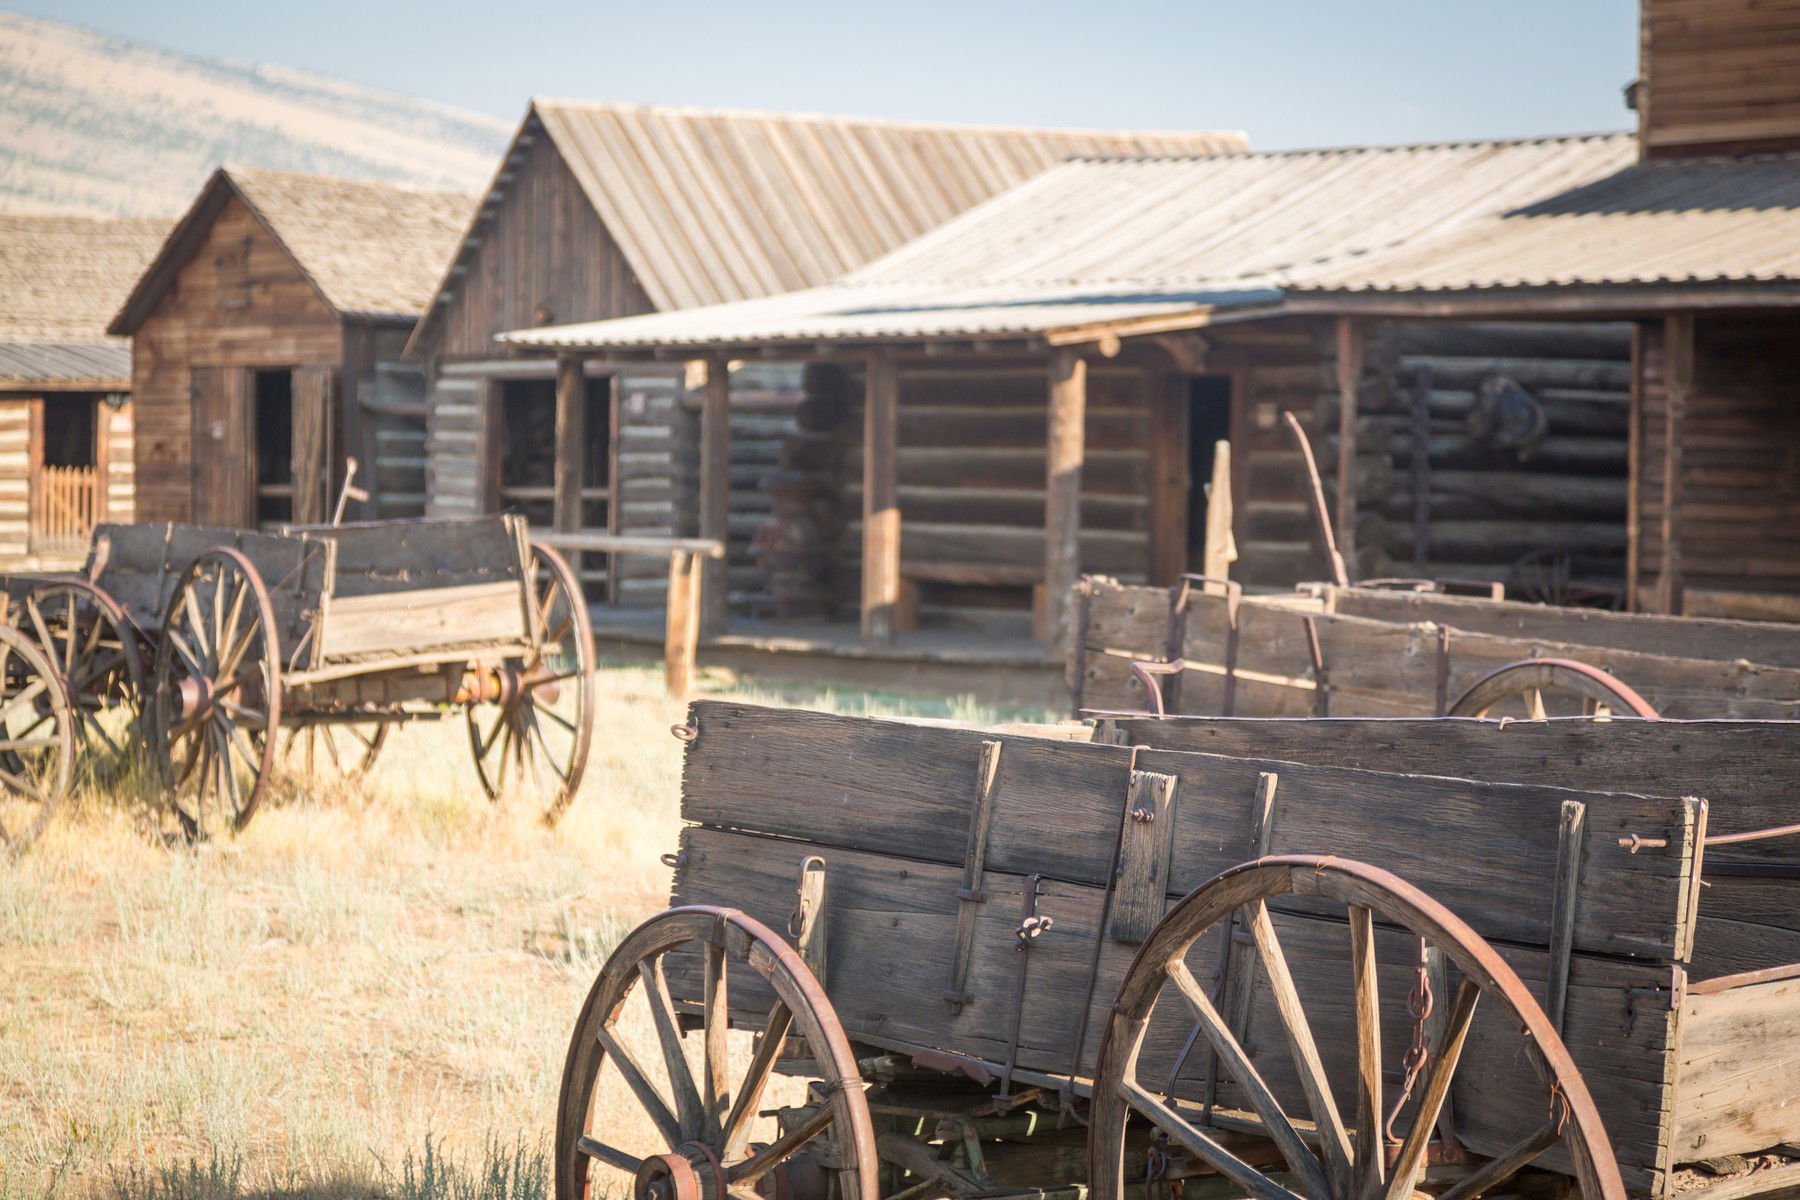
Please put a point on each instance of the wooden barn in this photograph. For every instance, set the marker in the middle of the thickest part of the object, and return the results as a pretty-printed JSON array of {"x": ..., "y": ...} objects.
[
  {"x": 611, "y": 210},
  {"x": 266, "y": 348},
  {"x": 65, "y": 385}
]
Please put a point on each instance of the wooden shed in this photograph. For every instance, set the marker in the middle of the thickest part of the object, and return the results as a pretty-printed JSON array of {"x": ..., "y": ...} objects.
[
  {"x": 609, "y": 210},
  {"x": 267, "y": 337},
  {"x": 981, "y": 435},
  {"x": 65, "y": 386}
]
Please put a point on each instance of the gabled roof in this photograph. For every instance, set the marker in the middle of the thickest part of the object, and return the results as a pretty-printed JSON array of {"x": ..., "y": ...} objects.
[
  {"x": 1668, "y": 222},
  {"x": 715, "y": 205},
  {"x": 372, "y": 250},
  {"x": 61, "y": 280},
  {"x": 1148, "y": 240}
]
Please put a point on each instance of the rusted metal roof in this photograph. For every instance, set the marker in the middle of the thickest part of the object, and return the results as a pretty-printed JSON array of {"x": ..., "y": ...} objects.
[
  {"x": 1668, "y": 222},
  {"x": 372, "y": 250},
  {"x": 1109, "y": 241},
  {"x": 61, "y": 280}
]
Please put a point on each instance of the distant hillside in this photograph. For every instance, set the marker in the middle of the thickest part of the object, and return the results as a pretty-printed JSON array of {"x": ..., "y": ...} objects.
[{"x": 108, "y": 126}]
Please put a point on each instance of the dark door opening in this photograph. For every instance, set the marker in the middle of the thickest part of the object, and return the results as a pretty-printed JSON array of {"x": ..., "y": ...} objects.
[
  {"x": 528, "y": 449},
  {"x": 70, "y": 431},
  {"x": 272, "y": 414},
  {"x": 1209, "y": 423}
]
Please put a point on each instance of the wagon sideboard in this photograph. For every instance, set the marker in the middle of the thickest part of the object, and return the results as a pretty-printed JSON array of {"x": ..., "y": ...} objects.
[
  {"x": 1255, "y": 656},
  {"x": 938, "y": 840}
]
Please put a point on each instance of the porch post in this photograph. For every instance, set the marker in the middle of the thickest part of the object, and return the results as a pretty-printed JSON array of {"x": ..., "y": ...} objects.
[
  {"x": 1678, "y": 377},
  {"x": 1062, "y": 490},
  {"x": 1349, "y": 371},
  {"x": 715, "y": 491},
  {"x": 570, "y": 468},
  {"x": 881, "y": 499}
]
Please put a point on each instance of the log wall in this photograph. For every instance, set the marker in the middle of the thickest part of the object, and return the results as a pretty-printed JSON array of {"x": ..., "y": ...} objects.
[
  {"x": 15, "y": 477},
  {"x": 1718, "y": 77},
  {"x": 1737, "y": 508}
]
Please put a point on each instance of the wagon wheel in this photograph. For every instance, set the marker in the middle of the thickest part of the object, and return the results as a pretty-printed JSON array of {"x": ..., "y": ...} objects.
[
  {"x": 216, "y": 697},
  {"x": 37, "y": 740},
  {"x": 1363, "y": 1160},
  {"x": 694, "y": 1141},
  {"x": 336, "y": 751},
  {"x": 94, "y": 645},
  {"x": 539, "y": 731},
  {"x": 1550, "y": 687}
]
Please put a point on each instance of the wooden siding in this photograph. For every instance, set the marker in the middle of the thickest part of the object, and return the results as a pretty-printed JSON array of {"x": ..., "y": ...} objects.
[
  {"x": 384, "y": 420},
  {"x": 239, "y": 302},
  {"x": 15, "y": 476},
  {"x": 1719, "y": 77},
  {"x": 545, "y": 258},
  {"x": 116, "y": 426},
  {"x": 1738, "y": 478}
]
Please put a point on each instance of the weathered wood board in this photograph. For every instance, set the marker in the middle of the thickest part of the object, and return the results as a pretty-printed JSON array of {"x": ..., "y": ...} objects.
[
  {"x": 1737, "y": 1084},
  {"x": 385, "y": 557},
  {"x": 1372, "y": 667}
]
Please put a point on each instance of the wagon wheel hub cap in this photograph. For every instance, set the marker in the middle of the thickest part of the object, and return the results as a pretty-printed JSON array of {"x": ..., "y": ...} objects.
[{"x": 692, "y": 1172}]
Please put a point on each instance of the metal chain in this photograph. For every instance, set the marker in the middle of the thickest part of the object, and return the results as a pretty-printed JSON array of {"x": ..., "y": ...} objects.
[{"x": 1419, "y": 1004}]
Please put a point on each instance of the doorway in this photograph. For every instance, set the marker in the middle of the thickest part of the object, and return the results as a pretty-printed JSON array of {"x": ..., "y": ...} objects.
[
  {"x": 1209, "y": 423},
  {"x": 66, "y": 471},
  {"x": 272, "y": 425}
]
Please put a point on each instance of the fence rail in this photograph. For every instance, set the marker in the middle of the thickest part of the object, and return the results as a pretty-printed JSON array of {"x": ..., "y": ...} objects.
[{"x": 65, "y": 509}]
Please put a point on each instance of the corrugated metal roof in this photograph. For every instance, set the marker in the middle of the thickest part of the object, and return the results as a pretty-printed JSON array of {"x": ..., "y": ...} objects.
[
  {"x": 1692, "y": 221},
  {"x": 1107, "y": 240},
  {"x": 372, "y": 250},
  {"x": 103, "y": 364}
]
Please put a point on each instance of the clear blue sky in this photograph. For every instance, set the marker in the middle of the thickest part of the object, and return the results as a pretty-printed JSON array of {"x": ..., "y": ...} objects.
[{"x": 1290, "y": 72}]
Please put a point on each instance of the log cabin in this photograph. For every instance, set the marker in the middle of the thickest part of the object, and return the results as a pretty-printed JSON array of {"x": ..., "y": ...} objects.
[
  {"x": 603, "y": 210},
  {"x": 266, "y": 349},
  {"x": 65, "y": 385}
]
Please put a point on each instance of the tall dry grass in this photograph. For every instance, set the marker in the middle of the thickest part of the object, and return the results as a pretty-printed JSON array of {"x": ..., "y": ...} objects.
[{"x": 367, "y": 993}]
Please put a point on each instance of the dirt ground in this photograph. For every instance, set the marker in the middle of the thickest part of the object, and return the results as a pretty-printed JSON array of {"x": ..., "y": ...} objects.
[{"x": 368, "y": 993}]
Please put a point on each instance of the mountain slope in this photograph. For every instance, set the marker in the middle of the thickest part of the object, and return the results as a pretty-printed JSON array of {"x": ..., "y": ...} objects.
[{"x": 109, "y": 126}]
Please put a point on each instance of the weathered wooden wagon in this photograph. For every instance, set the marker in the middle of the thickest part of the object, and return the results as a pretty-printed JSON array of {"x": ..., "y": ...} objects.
[
  {"x": 1206, "y": 647},
  {"x": 1203, "y": 963},
  {"x": 39, "y": 727},
  {"x": 236, "y": 647}
]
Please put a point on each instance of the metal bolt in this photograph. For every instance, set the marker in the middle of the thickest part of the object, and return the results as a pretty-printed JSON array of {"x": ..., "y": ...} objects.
[{"x": 1143, "y": 815}]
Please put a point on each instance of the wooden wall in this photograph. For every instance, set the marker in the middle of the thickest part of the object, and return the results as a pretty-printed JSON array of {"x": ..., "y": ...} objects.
[
  {"x": 1737, "y": 476},
  {"x": 114, "y": 428},
  {"x": 384, "y": 419},
  {"x": 239, "y": 302},
  {"x": 117, "y": 426},
  {"x": 1719, "y": 77},
  {"x": 15, "y": 476}
]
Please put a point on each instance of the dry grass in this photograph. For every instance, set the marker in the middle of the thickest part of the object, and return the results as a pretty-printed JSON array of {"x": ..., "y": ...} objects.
[{"x": 367, "y": 993}]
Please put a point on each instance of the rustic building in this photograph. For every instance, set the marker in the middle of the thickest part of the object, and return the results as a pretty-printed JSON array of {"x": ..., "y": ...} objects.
[
  {"x": 65, "y": 386},
  {"x": 267, "y": 338},
  {"x": 611, "y": 210}
]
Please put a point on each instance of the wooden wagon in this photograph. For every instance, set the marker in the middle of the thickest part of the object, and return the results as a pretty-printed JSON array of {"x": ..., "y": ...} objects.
[
  {"x": 1205, "y": 647},
  {"x": 1206, "y": 962},
  {"x": 240, "y": 648},
  {"x": 40, "y": 729}
]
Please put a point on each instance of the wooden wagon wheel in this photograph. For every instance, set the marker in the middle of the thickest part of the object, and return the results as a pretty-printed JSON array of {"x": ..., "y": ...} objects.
[
  {"x": 343, "y": 751},
  {"x": 1588, "y": 690},
  {"x": 541, "y": 728},
  {"x": 94, "y": 645},
  {"x": 216, "y": 694},
  {"x": 695, "y": 1142},
  {"x": 1359, "y": 1161},
  {"x": 37, "y": 740}
]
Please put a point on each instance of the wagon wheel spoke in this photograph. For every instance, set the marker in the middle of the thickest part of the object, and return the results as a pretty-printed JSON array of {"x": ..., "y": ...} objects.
[
  {"x": 549, "y": 755},
  {"x": 23, "y": 786},
  {"x": 1436, "y": 1090},
  {"x": 196, "y": 622},
  {"x": 44, "y": 636},
  {"x": 688, "y": 1105},
  {"x": 716, "y": 1078},
  {"x": 593, "y": 1147},
  {"x": 756, "y": 1078},
  {"x": 25, "y": 695},
  {"x": 187, "y": 653},
  {"x": 781, "y": 1149},
  {"x": 1201, "y": 1144},
  {"x": 1237, "y": 1060},
  {"x": 1534, "y": 704},
  {"x": 1369, "y": 1145},
  {"x": 641, "y": 1087},
  {"x": 1510, "y": 1161}
]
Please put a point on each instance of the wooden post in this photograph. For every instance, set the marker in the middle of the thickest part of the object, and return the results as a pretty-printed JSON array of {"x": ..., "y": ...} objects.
[
  {"x": 881, "y": 500},
  {"x": 715, "y": 490},
  {"x": 1169, "y": 475},
  {"x": 1349, "y": 371},
  {"x": 1062, "y": 490},
  {"x": 1220, "y": 545},
  {"x": 570, "y": 469},
  {"x": 1678, "y": 382},
  {"x": 681, "y": 640},
  {"x": 1634, "y": 472}
]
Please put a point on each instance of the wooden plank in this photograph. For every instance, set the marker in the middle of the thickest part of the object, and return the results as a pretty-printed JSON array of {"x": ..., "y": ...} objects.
[
  {"x": 891, "y": 926},
  {"x": 681, "y": 638},
  {"x": 1147, "y": 839},
  {"x": 1056, "y": 812},
  {"x": 1739, "y": 1057},
  {"x": 715, "y": 490},
  {"x": 881, "y": 505},
  {"x": 465, "y": 615},
  {"x": 1062, "y": 489},
  {"x": 315, "y": 391},
  {"x": 1347, "y": 363},
  {"x": 1678, "y": 381},
  {"x": 378, "y": 557}
]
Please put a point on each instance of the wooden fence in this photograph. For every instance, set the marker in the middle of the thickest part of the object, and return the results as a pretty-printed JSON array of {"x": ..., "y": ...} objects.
[{"x": 65, "y": 508}]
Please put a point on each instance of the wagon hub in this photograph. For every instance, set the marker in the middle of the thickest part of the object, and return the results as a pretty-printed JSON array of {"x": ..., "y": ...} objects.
[
  {"x": 692, "y": 1172},
  {"x": 194, "y": 695}
]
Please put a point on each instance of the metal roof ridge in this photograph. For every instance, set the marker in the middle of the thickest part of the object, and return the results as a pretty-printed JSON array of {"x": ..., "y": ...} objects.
[{"x": 1618, "y": 135}]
